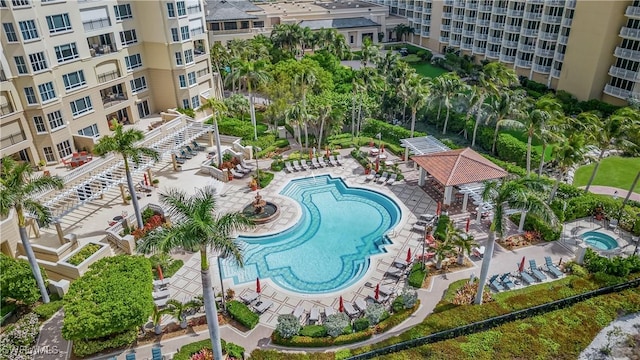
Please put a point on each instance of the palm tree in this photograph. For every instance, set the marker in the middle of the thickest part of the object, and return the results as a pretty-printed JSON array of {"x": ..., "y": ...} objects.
[
  {"x": 219, "y": 57},
  {"x": 324, "y": 113},
  {"x": 452, "y": 87},
  {"x": 123, "y": 142},
  {"x": 218, "y": 108},
  {"x": 464, "y": 242},
  {"x": 402, "y": 29},
  {"x": 296, "y": 115},
  {"x": 305, "y": 79},
  {"x": 252, "y": 75},
  {"x": 286, "y": 36},
  {"x": 417, "y": 91},
  {"x": 567, "y": 153},
  {"x": 442, "y": 250},
  {"x": 508, "y": 109},
  {"x": 17, "y": 189},
  {"x": 522, "y": 194},
  {"x": 369, "y": 52},
  {"x": 199, "y": 228}
]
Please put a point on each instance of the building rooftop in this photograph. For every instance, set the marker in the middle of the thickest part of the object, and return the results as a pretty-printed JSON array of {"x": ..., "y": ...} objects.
[
  {"x": 229, "y": 10},
  {"x": 317, "y": 7},
  {"x": 345, "y": 23},
  {"x": 457, "y": 167}
]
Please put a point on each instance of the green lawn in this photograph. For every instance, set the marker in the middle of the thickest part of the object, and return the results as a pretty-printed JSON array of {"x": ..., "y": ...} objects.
[
  {"x": 613, "y": 171},
  {"x": 428, "y": 70},
  {"x": 535, "y": 144}
]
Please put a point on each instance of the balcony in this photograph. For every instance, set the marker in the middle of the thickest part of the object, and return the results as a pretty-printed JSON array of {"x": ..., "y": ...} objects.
[
  {"x": 570, "y": 4},
  {"x": 512, "y": 29},
  {"x": 558, "y": 57},
  {"x": 457, "y": 30},
  {"x": 466, "y": 46},
  {"x": 515, "y": 13},
  {"x": 96, "y": 24},
  {"x": 443, "y": 39},
  {"x": 458, "y": 17},
  {"x": 555, "y": 2},
  {"x": 425, "y": 33},
  {"x": 545, "y": 52},
  {"x": 468, "y": 33},
  {"x": 499, "y": 10},
  {"x": 445, "y": 27},
  {"x": 529, "y": 32},
  {"x": 427, "y": 10},
  {"x": 507, "y": 58},
  {"x": 624, "y": 73},
  {"x": 410, "y": 7},
  {"x": 470, "y": 19},
  {"x": 426, "y": 22},
  {"x": 627, "y": 54},
  {"x": 108, "y": 76},
  {"x": 510, "y": 44},
  {"x": 417, "y": 9},
  {"x": 12, "y": 139},
  {"x": 481, "y": 36},
  {"x": 482, "y": 22},
  {"x": 198, "y": 48},
  {"x": 454, "y": 42},
  {"x": 526, "y": 48},
  {"x": 555, "y": 73},
  {"x": 532, "y": 16},
  {"x": 541, "y": 68},
  {"x": 633, "y": 11},
  {"x": 448, "y": 2},
  {"x": 479, "y": 50},
  {"x": 496, "y": 25},
  {"x": 101, "y": 45},
  {"x": 6, "y": 109},
  {"x": 552, "y": 19},
  {"x": 458, "y": 3},
  {"x": 484, "y": 8},
  {"x": 495, "y": 40},
  {"x": 194, "y": 9},
  {"x": 493, "y": 54},
  {"x": 548, "y": 36},
  {"x": 563, "y": 39},
  {"x": 197, "y": 31},
  {"x": 567, "y": 22},
  {"x": 523, "y": 63},
  {"x": 630, "y": 33},
  {"x": 617, "y": 92},
  {"x": 446, "y": 15},
  {"x": 113, "y": 95}
]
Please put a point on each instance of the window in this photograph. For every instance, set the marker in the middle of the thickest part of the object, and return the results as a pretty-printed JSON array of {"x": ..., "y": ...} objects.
[
  {"x": 171, "y": 10},
  {"x": 188, "y": 56},
  {"x": 185, "y": 104},
  {"x": 192, "y": 78},
  {"x": 184, "y": 30},
  {"x": 182, "y": 11},
  {"x": 123, "y": 11},
  {"x": 38, "y": 61},
  {"x": 81, "y": 106},
  {"x": 174, "y": 34},
  {"x": 17, "y": 3},
  {"x": 195, "y": 101},
  {"x": 28, "y": 29},
  {"x": 48, "y": 154},
  {"x": 58, "y": 23},
  {"x": 66, "y": 52},
  {"x": 182, "y": 80},
  {"x": 64, "y": 149},
  {"x": 47, "y": 93},
  {"x": 10, "y": 32},
  {"x": 133, "y": 61},
  {"x": 90, "y": 131},
  {"x": 179, "y": 58},
  {"x": 30, "y": 95},
  {"x": 20, "y": 64},
  {"x": 138, "y": 84},
  {"x": 128, "y": 37},
  {"x": 55, "y": 120},
  {"x": 38, "y": 122},
  {"x": 258, "y": 24},
  {"x": 73, "y": 80}
]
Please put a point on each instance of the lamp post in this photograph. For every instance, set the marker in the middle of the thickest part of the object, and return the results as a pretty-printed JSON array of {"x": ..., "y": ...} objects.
[{"x": 256, "y": 150}]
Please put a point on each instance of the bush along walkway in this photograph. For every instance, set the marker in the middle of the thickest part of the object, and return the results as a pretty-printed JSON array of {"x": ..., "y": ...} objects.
[{"x": 51, "y": 345}]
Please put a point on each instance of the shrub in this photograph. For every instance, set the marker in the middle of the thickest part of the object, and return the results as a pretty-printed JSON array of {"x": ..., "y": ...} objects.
[
  {"x": 576, "y": 269},
  {"x": 409, "y": 298},
  {"x": 83, "y": 254},
  {"x": 532, "y": 223},
  {"x": 314, "y": 331},
  {"x": 17, "y": 340},
  {"x": 113, "y": 297},
  {"x": 288, "y": 325},
  {"x": 241, "y": 313},
  {"x": 417, "y": 275},
  {"x": 441, "y": 227},
  {"x": 509, "y": 167},
  {"x": 361, "y": 324},
  {"x": 342, "y": 354},
  {"x": 46, "y": 311},
  {"x": 234, "y": 351},
  {"x": 17, "y": 281},
  {"x": 390, "y": 133},
  {"x": 513, "y": 150},
  {"x": 265, "y": 178},
  {"x": 397, "y": 304},
  {"x": 336, "y": 324},
  {"x": 374, "y": 313},
  {"x": 188, "y": 350},
  {"x": 82, "y": 347},
  {"x": 305, "y": 341}
]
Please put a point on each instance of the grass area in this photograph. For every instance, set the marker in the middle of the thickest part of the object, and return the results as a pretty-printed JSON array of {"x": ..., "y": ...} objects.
[
  {"x": 535, "y": 144},
  {"x": 428, "y": 70},
  {"x": 613, "y": 171}
]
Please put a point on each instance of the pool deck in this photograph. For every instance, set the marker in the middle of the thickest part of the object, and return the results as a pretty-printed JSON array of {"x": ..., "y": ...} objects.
[{"x": 235, "y": 195}]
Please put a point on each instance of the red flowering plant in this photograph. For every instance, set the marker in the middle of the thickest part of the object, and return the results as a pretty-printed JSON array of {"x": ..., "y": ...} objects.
[{"x": 153, "y": 222}]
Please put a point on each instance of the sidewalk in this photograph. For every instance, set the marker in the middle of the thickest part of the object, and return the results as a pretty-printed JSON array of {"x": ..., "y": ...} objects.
[{"x": 608, "y": 190}]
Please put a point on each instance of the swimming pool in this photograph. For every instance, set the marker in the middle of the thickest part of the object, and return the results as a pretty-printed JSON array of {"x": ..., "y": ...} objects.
[
  {"x": 329, "y": 247},
  {"x": 599, "y": 240}
]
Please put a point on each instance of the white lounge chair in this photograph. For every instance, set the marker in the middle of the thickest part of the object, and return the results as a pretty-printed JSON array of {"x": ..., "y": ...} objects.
[
  {"x": 246, "y": 165},
  {"x": 314, "y": 163},
  {"x": 392, "y": 179},
  {"x": 322, "y": 162},
  {"x": 350, "y": 310},
  {"x": 298, "y": 311},
  {"x": 314, "y": 315},
  {"x": 332, "y": 160},
  {"x": 395, "y": 272},
  {"x": 371, "y": 176},
  {"x": 236, "y": 174},
  {"x": 401, "y": 263},
  {"x": 296, "y": 165},
  {"x": 383, "y": 178},
  {"x": 289, "y": 167},
  {"x": 249, "y": 297},
  {"x": 361, "y": 304},
  {"x": 262, "y": 306},
  {"x": 328, "y": 310},
  {"x": 613, "y": 224},
  {"x": 478, "y": 252},
  {"x": 242, "y": 170},
  {"x": 160, "y": 294},
  {"x": 142, "y": 187},
  {"x": 385, "y": 290},
  {"x": 303, "y": 164},
  {"x": 419, "y": 227}
]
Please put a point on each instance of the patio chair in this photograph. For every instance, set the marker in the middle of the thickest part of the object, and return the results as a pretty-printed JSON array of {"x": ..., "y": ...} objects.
[
  {"x": 289, "y": 167},
  {"x": 263, "y": 306},
  {"x": 401, "y": 263},
  {"x": 314, "y": 315},
  {"x": 528, "y": 279},
  {"x": 385, "y": 290},
  {"x": 361, "y": 304},
  {"x": 298, "y": 311},
  {"x": 156, "y": 353},
  {"x": 419, "y": 227},
  {"x": 161, "y": 302},
  {"x": 296, "y": 165},
  {"x": 328, "y": 310},
  {"x": 536, "y": 272},
  {"x": 161, "y": 294},
  {"x": 303, "y": 164},
  {"x": 371, "y": 176},
  {"x": 322, "y": 161},
  {"x": 190, "y": 151},
  {"x": 613, "y": 224},
  {"x": 246, "y": 165},
  {"x": 183, "y": 153},
  {"x": 236, "y": 174},
  {"x": 496, "y": 285},
  {"x": 142, "y": 187},
  {"x": 350, "y": 310},
  {"x": 249, "y": 297},
  {"x": 552, "y": 268},
  {"x": 394, "y": 272},
  {"x": 315, "y": 163},
  {"x": 506, "y": 281},
  {"x": 333, "y": 161},
  {"x": 339, "y": 159},
  {"x": 391, "y": 180},
  {"x": 382, "y": 178},
  {"x": 130, "y": 356},
  {"x": 197, "y": 146},
  {"x": 242, "y": 170}
]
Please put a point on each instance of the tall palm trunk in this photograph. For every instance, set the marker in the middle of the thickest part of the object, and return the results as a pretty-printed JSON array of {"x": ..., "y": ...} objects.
[
  {"x": 495, "y": 138},
  {"x": 31, "y": 257},
  {"x": 544, "y": 150},
  {"x": 306, "y": 119},
  {"x": 217, "y": 135},
  {"x": 299, "y": 134},
  {"x": 353, "y": 113},
  {"x": 414, "y": 110},
  {"x": 210, "y": 310},
  {"x": 252, "y": 110},
  {"x": 446, "y": 120},
  {"x": 529, "y": 139},
  {"x": 320, "y": 132},
  {"x": 555, "y": 187},
  {"x": 595, "y": 170},
  {"x": 134, "y": 196},
  {"x": 486, "y": 262},
  {"x": 475, "y": 130},
  {"x": 439, "y": 109}
]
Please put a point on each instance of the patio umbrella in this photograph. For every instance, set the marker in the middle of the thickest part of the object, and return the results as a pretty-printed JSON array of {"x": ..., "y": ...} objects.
[
  {"x": 146, "y": 180},
  {"x": 258, "y": 287},
  {"x": 160, "y": 275},
  {"x": 438, "y": 208},
  {"x": 430, "y": 239},
  {"x": 377, "y": 292},
  {"x": 381, "y": 148},
  {"x": 521, "y": 267},
  {"x": 341, "y": 306},
  {"x": 468, "y": 224},
  {"x": 377, "y": 164},
  {"x": 310, "y": 154},
  {"x": 327, "y": 151},
  {"x": 409, "y": 255}
]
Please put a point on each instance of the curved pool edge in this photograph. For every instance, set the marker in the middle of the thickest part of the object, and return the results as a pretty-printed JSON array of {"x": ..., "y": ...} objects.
[{"x": 609, "y": 233}]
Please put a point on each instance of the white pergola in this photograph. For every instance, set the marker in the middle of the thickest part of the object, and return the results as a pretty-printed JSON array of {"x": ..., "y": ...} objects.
[{"x": 424, "y": 145}]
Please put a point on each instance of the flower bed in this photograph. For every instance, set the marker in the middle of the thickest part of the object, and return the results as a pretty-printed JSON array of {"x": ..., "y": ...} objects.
[
  {"x": 17, "y": 340},
  {"x": 521, "y": 240},
  {"x": 83, "y": 254},
  {"x": 201, "y": 349},
  {"x": 241, "y": 313}
]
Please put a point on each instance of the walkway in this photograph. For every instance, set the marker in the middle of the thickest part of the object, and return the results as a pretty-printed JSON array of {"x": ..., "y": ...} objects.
[
  {"x": 608, "y": 190},
  {"x": 51, "y": 345}
]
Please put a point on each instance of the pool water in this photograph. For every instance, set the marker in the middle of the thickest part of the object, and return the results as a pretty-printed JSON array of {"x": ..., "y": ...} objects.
[
  {"x": 329, "y": 247},
  {"x": 599, "y": 240}
]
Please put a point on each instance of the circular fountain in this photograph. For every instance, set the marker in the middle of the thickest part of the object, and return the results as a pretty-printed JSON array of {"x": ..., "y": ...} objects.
[{"x": 261, "y": 211}]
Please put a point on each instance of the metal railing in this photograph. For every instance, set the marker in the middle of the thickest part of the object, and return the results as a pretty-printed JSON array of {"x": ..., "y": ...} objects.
[
  {"x": 523, "y": 63},
  {"x": 493, "y": 54},
  {"x": 632, "y": 11},
  {"x": 108, "y": 76},
  {"x": 479, "y": 50},
  {"x": 96, "y": 24},
  {"x": 541, "y": 68},
  {"x": 12, "y": 139},
  {"x": 631, "y": 33},
  {"x": 627, "y": 53},
  {"x": 624, "y": 73},
  {"x": 617, "y": 92},
  {"x": 6, "y": 109}
]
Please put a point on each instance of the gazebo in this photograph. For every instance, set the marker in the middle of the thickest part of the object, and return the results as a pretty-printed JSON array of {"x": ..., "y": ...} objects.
[{"x": 456, "y": 168}]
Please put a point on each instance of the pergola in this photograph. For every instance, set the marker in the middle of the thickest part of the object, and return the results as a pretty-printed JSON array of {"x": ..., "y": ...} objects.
[
  {"x": 463, "y": 168},
  {"x": 424, "y": 145}
]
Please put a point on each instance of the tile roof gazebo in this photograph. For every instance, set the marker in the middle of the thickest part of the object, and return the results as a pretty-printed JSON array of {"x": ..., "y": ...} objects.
[{"x": 455, "y": 168}]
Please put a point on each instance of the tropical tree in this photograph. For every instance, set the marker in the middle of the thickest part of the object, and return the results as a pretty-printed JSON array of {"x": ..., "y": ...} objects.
[
  {"x": 417, "y": 91},
  {"x": 507, "y": 110},
  {"x": 305, "y": 79},
  {"x": 286, "y": 36},
  {"x": 451, "y": 86},
  {"x": 18, "y": 187},
  {"x": 369, "y": 52},
  {"x": 464, "y": 242},
  {"x": 567, "y": 153},
  {"x": 218, "y": 109},
  {"x": 296, "y": 115},
  {"x": 252, "y": 75},
  {"x": 441, "y": 251},
  {"x": 220, "y": 57},
  {"x": 522, "y": 195},
  {"x": 402, "y": 29},
  {"x": 237, "y": 105},
  {"x": 124, "y": 143},
  {"x": 199, "y": 228}
]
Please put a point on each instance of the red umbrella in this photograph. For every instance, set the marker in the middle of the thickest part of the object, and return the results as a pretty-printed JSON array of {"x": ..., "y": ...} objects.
[
  {"x": 521, "y": 267},
  {"x": 327, "y": 151},
  {"x": 258, "y": 287},
  {"x": 341, "y": 306},
  {"x": 160, "y": 275},
  {"x": 381, "y": 148},
  {"x": 439, "y": 208},
  {"x": 468, "y": 224},
  {"x": 377, "y": 293},
  {"x": 377, "y": 164},
  {"x": 146, "y": 181},
  {"x": 310, "y": 154},
  {"x": 409, "y": 255}
]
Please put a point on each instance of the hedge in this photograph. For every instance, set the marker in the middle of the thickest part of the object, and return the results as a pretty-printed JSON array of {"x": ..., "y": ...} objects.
[
  {"x": 306, "y": 341},
  {"x": 313, "y": 331},
  {"x": 417, "y": 275},
  {"x": 241, "y": 313},
  {"x": 513, "y": 150},
  {"x": 239, "y": 128},
  {"x": 441, "y": 227},
  {"x": 46, "y": 311},
  {"x": 83, "y": 254},
  {"x": 17, "y": 281},
  {"x": 82, "y": 347},
  {"x": 509, "y": 167},
  {"x": 390, "y": 133},
  {"x": 532, "y": 223},
  {"x": 186, "y": 351}
]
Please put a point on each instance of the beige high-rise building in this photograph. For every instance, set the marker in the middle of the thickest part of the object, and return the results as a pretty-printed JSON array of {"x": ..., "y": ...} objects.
[
  {"x": 68, "y": 67},
  {"x": 588, "y": 48}
]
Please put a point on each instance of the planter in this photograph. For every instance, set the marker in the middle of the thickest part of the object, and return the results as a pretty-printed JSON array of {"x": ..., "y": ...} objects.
[
  {"x": 183, "y": 324},
  {"x": 157, "y": 329}
]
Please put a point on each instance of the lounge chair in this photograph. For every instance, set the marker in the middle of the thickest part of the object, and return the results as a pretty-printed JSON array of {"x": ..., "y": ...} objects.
[
  {"x": 298, "y": 311},
  {"x": 552, "y": 268},
  {"x": 161, "y": 294},
  {"x": 385, "y": 290},
  {"x": 142, "y": 187},
  {"x": 242, "y": 170},
  {"x": 478, "y": 252},
  {"x": 156, "y": 353},
  {"x": 528, "y": 279},
  {"x": 197, "y": 146},
  {"x": 361, "y": 304},
  {"x": 236, "y": 174},
  {"x": 382, "y": 178},
  {"x": 184, "y": 154},
  {"x": 249, "y": 297},
  {"x": 160, "y": 284},
  {"x": 161, "y": 302},
  {"x": 130, "y": 356},
  {"x": 339, "y": 159},
  {"x": 190, "y": 150},
  {"x": 392, "y": 179},
  {"x": 314, "y": 315},
  {"x": 314, "y": 163},
  {"x": 263, "y": 306},
  {"x": 296, "y": 165},
  {"x": 289, "y": 167},
  {"x": 328, "y": 310},
  {"x": 395, "y": 272},
  {"x": 333, "y": 161},
  {"x": 613, "y": 224},
  {"x": 350, "y": 310},
  {"x": 322, "y": 161},
  {"x": 419, "y": 227},
  {"x": 371, "y": 176},
  {"x": 536, "y": 272},
  {"x": 495, "y": 284},
  {"x": 304, "y": 165},
  {"x": 401, "y": 263},
  {"x": 506, "y": 281}
]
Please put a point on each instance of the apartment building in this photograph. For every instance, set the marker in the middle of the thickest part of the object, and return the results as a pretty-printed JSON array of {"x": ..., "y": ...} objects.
[
  {"x": 588, "y": 48},
  {"x": 69, "y": 67}
]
